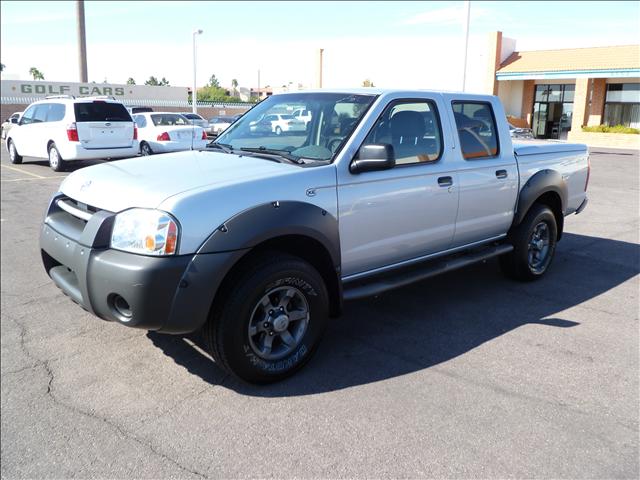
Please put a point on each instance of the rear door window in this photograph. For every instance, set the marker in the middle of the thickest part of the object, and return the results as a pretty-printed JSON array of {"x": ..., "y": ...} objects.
[
  {"x": 56, "y": 112},
  {"x": 101, "y": 112},
  {"x": 477, "y": 129}
]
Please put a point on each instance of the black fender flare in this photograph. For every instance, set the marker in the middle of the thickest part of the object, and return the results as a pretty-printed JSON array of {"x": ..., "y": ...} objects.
[
  {"x": 275, "y": 219},
  {"x": 540, "y": 183}
]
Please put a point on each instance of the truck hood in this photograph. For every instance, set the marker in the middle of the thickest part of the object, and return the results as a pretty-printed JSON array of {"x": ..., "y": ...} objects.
[{"x": 146, "y": 182}]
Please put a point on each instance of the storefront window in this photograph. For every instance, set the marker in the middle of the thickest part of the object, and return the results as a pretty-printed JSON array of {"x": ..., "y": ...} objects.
[
  {"x": 622, "y": 105},
  {"x": 555, "y": 93},
  {"x": 569, "y": 90}
]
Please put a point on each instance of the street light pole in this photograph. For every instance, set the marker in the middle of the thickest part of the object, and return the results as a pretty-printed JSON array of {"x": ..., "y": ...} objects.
[
  {"x": 467, "y": 6},
  {"x": 194, "y": 92}
]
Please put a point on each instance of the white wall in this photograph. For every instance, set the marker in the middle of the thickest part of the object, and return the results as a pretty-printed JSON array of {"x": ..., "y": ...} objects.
[{"x": 510, "y": 94}]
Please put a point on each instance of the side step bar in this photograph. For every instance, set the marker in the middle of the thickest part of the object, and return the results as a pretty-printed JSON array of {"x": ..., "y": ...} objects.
[{"x": 363, "y": 288}]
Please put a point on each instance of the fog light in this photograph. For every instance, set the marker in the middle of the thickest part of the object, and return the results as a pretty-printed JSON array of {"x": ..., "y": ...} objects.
[{"x": 122, "y": 308}]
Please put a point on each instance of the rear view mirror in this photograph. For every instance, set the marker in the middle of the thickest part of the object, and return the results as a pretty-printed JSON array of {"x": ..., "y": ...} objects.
[{"x": 373, "y": 157}]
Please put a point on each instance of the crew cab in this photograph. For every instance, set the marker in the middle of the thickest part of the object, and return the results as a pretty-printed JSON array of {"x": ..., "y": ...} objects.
[
  {"x": 258, "y": 240},
  {"x": 64, "y": 128}
]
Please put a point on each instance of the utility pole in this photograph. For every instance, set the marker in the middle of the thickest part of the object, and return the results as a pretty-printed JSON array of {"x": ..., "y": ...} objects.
[
  {"x": 467, "y": 7},
  {"x": 82, "y": 41},
  {"x": 320, "y": 68}
]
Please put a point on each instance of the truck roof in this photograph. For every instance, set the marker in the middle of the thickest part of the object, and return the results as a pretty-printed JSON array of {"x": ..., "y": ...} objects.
[{"x": 382, "y": 91}]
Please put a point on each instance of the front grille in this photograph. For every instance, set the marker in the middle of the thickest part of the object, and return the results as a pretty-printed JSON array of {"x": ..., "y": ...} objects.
[{"x": 70, "y": 217}]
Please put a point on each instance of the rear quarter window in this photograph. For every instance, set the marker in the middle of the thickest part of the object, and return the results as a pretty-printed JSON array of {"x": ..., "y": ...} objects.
[{"x": 101, "y": 112}]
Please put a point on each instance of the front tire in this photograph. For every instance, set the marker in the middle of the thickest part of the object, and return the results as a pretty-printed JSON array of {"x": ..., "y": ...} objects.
[
  {"x": 534, "y": 242},
  {"x": 278, "y": 130},
  {"x": 56, "y": 162},
  {"x": 270, "y": 319},
  {"x": 14, "y": 157}
]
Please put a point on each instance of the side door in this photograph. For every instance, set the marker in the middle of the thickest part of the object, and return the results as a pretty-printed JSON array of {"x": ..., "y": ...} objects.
[
  {"x": 406, "y": 212},
  {"x": 487, "y": 172},
  {"x": 22, "y": 134}
]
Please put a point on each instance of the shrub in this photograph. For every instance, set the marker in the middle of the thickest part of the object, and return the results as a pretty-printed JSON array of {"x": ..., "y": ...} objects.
[{"x": 612, "y": 129}]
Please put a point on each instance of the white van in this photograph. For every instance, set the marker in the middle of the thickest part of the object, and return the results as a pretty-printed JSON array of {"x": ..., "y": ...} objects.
[{"x": 66, "y": 128}]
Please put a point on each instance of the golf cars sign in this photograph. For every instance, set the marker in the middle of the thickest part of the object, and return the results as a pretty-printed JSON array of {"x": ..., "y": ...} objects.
[{"x": 38, "y": 89}]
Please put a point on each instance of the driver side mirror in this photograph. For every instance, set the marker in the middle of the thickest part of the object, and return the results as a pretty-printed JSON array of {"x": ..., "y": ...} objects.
[
  {"x": 13, "y": 120},
  {"x": 373, "y": 157}
]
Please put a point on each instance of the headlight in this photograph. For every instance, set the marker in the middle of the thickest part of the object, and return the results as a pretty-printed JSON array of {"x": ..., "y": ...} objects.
[{"x": 144, "y": 231}]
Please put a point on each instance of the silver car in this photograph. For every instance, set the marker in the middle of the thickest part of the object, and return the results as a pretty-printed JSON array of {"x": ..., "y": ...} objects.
[
  {"x": 195, "y": 119},
  {"x": 10, "y": 122}
]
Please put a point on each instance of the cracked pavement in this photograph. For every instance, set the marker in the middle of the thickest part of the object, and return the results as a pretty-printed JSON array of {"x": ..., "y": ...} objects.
[{"x": 463, "y": 375}]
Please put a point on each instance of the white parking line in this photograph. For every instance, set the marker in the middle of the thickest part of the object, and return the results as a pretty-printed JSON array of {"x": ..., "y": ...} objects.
[
  {"x": 21, "y": 171},
  {"x": 30, "y": 179}
]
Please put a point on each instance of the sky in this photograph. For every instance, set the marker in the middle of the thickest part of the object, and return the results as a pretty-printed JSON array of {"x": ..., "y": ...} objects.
[{"x": 394, "y": 44}]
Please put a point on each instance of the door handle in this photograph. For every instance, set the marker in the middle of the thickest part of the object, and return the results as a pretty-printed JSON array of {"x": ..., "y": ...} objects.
[
  {"x": 501, "y": 174},
  {"x": 445, "y": 181}
]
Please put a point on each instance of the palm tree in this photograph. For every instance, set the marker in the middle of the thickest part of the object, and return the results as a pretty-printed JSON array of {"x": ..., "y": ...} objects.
[
  {"x": 234, "y": 84},
  {"x": 36, "y": 74},
  {"x": 131, "y": 81}
]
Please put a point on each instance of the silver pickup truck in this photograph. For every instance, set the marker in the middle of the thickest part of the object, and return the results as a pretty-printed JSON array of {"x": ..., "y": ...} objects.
[{"x": 258, "y": 239}]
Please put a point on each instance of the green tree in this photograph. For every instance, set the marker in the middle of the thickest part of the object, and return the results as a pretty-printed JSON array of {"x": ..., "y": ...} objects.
[
  {"x": 367, "y": 83},
  {"x": 152, "y": 81},
  {"x": 131, "y": 81},
  {"x": 36, "y": 74},
  {"x": 1, "y": 67},
  {"x": 234, "y": 84},
  {"x": 213, "y": 82},
  {"x": 164, "y": 82}
]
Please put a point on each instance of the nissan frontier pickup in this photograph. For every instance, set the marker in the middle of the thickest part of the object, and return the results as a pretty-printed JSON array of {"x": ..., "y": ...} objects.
[{"x": 259, "y": 238}]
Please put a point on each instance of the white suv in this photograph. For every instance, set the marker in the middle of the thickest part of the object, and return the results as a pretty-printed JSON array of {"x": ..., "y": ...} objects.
[{"x": 64, "y": 129}]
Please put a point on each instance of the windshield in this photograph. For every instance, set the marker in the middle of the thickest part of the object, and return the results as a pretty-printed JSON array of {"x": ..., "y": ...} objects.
[
  {"x": 271, "y": 126},
  {"x": 165, "y": 119}
]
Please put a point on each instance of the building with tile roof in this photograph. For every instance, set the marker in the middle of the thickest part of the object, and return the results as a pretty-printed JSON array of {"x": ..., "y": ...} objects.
[{"x": 557, "y": 92}]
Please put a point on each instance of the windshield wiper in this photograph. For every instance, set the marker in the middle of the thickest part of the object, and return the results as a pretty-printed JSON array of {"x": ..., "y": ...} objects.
[
  {"x": 270, "y": 151},
  {"x": 225, "y": 147}
]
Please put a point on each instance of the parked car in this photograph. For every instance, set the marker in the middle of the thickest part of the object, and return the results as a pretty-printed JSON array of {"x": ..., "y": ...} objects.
[
  {"x": 520, "y": 133},
  {"x": 217, "y": 125},
  {"x": 161, "y": 132},
  {"x": 279, "y": 124},
  {"x": 66, "y": 129},
  {"x": 302, "y": 114},
  {"x": 257, "y": 240},
  {"x": 195, "y": 119},
  {"x": 13, "y": 119},
  {"x": 137, "y": 109}
]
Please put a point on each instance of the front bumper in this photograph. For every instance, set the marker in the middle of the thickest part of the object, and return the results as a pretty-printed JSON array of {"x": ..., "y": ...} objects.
[{"x": 168, "y": 294}]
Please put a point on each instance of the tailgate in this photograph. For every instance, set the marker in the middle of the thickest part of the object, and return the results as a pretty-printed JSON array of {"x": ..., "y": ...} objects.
[{"x": 103, "y": 125}]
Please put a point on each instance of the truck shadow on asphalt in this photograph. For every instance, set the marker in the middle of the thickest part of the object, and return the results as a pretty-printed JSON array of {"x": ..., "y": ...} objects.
[{"x": 436, "y": 320}]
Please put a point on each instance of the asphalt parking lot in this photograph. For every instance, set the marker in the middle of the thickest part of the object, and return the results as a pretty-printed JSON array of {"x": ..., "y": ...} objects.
[{"x": 466, "y": 375}]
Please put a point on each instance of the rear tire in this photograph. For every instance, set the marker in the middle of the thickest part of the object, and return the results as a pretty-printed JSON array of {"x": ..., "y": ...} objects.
[
  {"x": 269, "y": 320},
  {"x": 56, "y": 162},
  {"x": 145, "y": 149},
  {"x": 278, "y": 131},
  {"x": 14, "y": 157},
  {"x": 534, "y": 242}
]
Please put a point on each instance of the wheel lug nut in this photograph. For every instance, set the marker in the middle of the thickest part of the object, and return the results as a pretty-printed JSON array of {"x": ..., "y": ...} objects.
[
  {"x": 270, "y": 312},
  {"x": 270, "y": 334}
]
